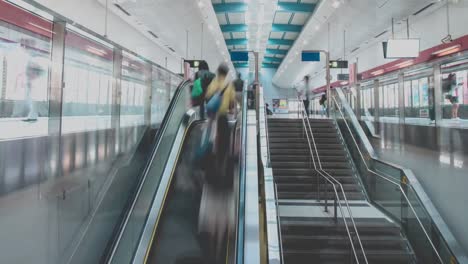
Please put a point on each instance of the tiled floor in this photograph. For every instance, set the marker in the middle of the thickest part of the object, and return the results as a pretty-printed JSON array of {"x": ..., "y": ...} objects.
[{"x": 443, "y": 175}]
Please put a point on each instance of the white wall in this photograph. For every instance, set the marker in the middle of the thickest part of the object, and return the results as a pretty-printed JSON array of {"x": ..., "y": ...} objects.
[{"x": 91, "y": 14}]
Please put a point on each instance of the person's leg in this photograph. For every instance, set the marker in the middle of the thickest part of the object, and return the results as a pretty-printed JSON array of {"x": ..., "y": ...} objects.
[{"x": 456, "y": 105}]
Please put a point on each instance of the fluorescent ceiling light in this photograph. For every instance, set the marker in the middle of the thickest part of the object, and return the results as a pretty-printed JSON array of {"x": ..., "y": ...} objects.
[
  {"x": 377, "y": 72},
  {"x": 336, "y": 4},
  {"x": 447, "y": 51}
]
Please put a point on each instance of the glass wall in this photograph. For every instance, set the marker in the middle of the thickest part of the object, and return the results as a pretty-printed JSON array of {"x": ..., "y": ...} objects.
[
  {"x": 388, "y": 98},
  {"x": 25, "y": 54},
  {"x": 71, "y": 156},
  {"x": 419, "y": 95},
  {"x": 88, "y": 72}
]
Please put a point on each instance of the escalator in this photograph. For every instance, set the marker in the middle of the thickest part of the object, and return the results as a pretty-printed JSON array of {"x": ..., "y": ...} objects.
[{"x": 162, "y": 224}]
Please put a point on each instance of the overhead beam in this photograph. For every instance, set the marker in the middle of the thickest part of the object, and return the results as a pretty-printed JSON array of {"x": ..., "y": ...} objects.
[
  {"x": 270, "y": 65},
  {"x": 230, "y": 7},
  {"x": 295, "y": 7},
  {"x": 272, "y": 59},
  {"x": 241, "y": 65},
  {"x": 286, "y": 28},
  {"x": 276, "y": 51},
  {"x": 238, "y": 41},
  {"x": 288, "y": 42},
  {"x": 234, "y": 28}
]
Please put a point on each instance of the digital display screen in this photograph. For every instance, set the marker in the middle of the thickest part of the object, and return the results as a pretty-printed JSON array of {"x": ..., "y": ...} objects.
[{"x": 401, "y": 48}]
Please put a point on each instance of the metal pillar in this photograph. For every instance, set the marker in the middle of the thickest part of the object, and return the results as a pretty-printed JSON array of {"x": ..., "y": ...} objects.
[
  {"x": 53, "y": 169},
  {"x": 437, "y": 93},
  {"x": 376, "y": 106},
  {"x": 401, "y": 98},
  {"x": 148, "y": 94},
  {"x": 358, "y": 104},
  {"x": 116, "y": 97},
  {"x": 327, "y": 67},
  {"x": 56, "y": 98}
]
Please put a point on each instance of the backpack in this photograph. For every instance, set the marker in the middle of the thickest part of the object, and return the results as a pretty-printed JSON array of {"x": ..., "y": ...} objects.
[
  {"x": 448, "y": 83},
  {"x": 214, "y": 103},
  {"x": 199, "y": 86}
]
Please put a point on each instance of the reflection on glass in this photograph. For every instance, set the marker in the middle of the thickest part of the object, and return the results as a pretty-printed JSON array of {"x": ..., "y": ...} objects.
[{"x": 24, "y": 70}]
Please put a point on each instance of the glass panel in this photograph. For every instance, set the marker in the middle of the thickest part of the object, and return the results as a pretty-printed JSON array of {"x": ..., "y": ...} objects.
[
  {"x": 134, "y": 87},
  {"x": 87, "y": 77},
  {"x": 25, "y": 55}
]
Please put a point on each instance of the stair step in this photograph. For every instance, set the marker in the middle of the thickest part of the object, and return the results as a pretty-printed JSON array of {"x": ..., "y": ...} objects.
[
  {"x": 311, "y": 179},
  {"x": 314, "y": 227},
  {"x": 309, "y": 172},
  {"x": 369, "y": 242},
  {"x": 307, "y": 164},
  {"x": 313, "y": 195},
  {"x": 303, "y": 140},
  {"x": 345, "y": 256},
  {"x": 306, "y": 151},
  {"x": 300, "y": 129},
  {"x": 306, "y": 157},
  {"x": 293, "y": 134},
  {"x": 312, "y": 187},
  {"x": 286, "y": 145}
]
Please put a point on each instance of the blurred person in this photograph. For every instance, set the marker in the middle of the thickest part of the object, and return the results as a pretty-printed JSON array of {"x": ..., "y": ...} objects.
[
  {"x": 267, "y": 108},
  {"x": 239, "y": 86},
  {"x": 323, "y": 103},
  {"x": 203, "y": 78},
  {"x": 33, "y": 72},
  {"x": 449, "y": 86},
  {"x": 217, "y": 202},
  {"x": 306, "y": 98}
]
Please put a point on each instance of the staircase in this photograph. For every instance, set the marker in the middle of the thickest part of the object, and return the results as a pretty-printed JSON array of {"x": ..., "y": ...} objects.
[
  {"x": 291, "y": 161},
  {"x": 324, "y": 241},
  {"x": 319, "y": 239}
]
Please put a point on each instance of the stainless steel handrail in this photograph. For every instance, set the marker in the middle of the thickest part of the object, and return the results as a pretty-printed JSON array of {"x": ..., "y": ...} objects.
[
  {"x": 278, "y": 220},
  {"x": 331, "y": 179},
  {"x": 267, "y": 138},
  {"x": 389, "y": 180}
]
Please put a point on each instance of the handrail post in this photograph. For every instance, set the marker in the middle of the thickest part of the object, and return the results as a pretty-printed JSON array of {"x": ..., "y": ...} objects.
[{"x": 336, "y": 211}]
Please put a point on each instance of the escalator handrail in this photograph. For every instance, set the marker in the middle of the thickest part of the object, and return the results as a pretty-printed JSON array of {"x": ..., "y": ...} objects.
[
  {"x": 242, "y": 182},
  {"x": 334, "y": 182},
  {"x": 158, "y": 138},
  {"x": 389, "y": 180}
]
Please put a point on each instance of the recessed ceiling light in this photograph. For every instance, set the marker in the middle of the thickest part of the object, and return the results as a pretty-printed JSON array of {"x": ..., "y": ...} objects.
[
  {"x": 317, "y": 27},
  {"x": 336, "y": 4}
]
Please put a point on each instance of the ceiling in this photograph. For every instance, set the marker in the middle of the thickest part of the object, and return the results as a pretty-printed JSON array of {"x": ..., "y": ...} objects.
[
  {"x": 183, "y": 27},
  {"x": 354, "y": 24},
  {"x": 269, "y": 27}
]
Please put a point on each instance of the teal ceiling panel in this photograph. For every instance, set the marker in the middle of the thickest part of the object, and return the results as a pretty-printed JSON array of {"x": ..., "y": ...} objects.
[{"x": 230, "y": 7}]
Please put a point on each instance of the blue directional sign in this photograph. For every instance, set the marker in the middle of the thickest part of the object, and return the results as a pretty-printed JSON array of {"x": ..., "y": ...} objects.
[
  {"x": 310, "y": 56},
  {"x": 239, "y": 56}
]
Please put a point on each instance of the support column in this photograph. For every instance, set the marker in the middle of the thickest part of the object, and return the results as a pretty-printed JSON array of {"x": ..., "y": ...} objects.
[
  {"x": 377, "y": 107},
  {"x": 437, "y": 94},
  {"x": 116, "y": 98},
  {"x": 56, "y": 99},
  {"x": 148, "y": 94},
  {"x": 53, "y": 167},
  {"x": 358, "y": 104},
  {"x": 401, "y": 98}
]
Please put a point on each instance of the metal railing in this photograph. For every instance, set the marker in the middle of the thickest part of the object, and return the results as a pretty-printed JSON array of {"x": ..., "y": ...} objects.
[
  {"x": 331, "y": 180},
  {"x": 388, "y": 179},
  {"x": 278, "y": 220}
]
